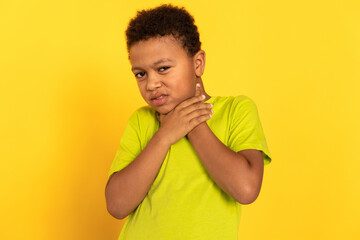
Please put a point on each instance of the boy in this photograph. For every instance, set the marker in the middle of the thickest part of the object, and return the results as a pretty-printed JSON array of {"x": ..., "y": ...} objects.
[{"x": 186, "y": 162}]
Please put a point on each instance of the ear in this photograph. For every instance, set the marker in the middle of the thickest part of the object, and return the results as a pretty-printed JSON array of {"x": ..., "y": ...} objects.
[{"x": 199, "y": 63}]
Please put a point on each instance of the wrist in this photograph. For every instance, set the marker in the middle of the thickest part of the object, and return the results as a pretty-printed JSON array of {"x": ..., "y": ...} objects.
[
  {"x": 196, "y": 130},
  {"x": 162, "y": 139}
]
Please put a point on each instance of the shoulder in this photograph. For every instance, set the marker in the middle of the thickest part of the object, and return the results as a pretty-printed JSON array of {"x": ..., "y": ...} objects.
[
  {"x": 230, "y": 105},
  {"x": 142, "y": 114},
  {"x": 243, "y": 99},
  {"x": 242, "y": 107},
  {"x": 243, "y": 103},
  {"x": 236, "y": 103},
  {"x": 143, "y": 122},
  {"x": 240, "y": 99}
]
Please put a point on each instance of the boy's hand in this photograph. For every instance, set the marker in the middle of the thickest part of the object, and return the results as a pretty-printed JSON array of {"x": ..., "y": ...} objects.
[{"x": 184, "y": 117}]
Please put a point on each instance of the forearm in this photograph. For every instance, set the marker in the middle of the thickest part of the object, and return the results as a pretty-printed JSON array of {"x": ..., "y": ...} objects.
[
  {"x": 230, "y": 170},
  {"x": 127, "y": 188}
]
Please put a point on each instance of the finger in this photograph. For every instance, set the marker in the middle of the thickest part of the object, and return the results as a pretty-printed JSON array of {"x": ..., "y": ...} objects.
[
  {"x": 199, "y": 112},
  {"x": 196, "y": 107},
  {"x": 190, "y": 101},
  {"x": 197, "y": 120}
]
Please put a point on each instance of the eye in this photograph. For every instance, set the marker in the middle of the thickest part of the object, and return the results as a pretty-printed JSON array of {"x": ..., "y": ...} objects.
[
  {"x": 162, "y": 69},
  {"x": 139, "y": 74}
]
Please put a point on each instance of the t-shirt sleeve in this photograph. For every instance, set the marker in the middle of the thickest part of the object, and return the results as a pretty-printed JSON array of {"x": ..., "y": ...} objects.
[
  {"x": 245, "y": 128},
  {"x": 129, "y": 147}
]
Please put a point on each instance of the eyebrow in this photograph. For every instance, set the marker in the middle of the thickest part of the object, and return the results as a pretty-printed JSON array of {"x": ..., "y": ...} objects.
[{"x": 154, "y": 64}]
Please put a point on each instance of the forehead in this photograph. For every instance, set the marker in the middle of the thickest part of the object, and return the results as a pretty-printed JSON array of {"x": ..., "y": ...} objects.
[{"x": 153, "y": 49}]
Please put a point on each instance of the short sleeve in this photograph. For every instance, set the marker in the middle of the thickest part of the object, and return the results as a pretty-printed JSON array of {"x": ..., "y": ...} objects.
[
  {"x": 129, "y": 147},
  {"x": 245, "y": 128}
]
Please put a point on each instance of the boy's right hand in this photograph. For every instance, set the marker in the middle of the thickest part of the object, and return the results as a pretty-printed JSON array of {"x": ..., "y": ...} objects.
[{"x": 184, "y": 117}]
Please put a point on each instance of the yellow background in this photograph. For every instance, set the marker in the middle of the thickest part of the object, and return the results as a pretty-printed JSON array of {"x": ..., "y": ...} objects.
[{"x": 67, "y": 92}]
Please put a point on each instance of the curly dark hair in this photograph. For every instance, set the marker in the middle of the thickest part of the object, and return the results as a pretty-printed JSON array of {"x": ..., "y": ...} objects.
[{"x": 164, "y": 20}]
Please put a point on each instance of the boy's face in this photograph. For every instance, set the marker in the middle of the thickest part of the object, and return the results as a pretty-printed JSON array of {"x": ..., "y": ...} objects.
[{"x": 165, "y": 73}]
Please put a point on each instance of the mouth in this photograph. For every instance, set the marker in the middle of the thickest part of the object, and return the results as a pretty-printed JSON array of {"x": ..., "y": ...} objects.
[{"x": 159, "y": 100}]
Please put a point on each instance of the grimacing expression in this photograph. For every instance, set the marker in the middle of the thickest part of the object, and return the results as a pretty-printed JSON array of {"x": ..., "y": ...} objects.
[{"x": 165, "y": 73}]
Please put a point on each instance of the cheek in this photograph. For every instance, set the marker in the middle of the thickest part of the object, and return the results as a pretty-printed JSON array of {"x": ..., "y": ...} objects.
[
  {"x": 142, "y": 90},
  {"x": 184, "y": 91}
]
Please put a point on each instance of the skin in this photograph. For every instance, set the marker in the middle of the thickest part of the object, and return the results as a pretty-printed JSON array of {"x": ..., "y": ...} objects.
[
  {"x": 161, "y": 65},
  {"x": 175, "y": 76}
]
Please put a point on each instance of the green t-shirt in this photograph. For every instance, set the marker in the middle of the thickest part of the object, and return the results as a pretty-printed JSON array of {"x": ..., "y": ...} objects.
[{"x": 184, "y": 202}]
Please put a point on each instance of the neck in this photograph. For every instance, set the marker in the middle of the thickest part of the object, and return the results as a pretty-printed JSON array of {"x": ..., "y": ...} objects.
[{"x": 202, "y": 89}]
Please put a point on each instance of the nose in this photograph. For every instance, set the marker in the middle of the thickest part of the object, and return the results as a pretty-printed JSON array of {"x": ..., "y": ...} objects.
[{"x": 153, "y": 82}]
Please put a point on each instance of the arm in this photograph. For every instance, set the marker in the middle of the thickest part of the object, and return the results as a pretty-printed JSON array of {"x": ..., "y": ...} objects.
[
  {"x": 127, "y": 188},
  {"x": 238, "y": 174}
]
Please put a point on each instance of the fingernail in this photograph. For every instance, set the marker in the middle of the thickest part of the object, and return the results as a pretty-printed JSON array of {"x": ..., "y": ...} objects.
[
  {"x": 211, "y": 105},
  {"x": 210, "y": 115},
  {"x": 198, "y": 84},
  {"x": 212, "y": 111},
  {"x": 202, "y": 96}
]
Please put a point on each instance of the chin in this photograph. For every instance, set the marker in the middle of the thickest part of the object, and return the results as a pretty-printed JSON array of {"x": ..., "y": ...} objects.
[{"x": 163, "y": 109}]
